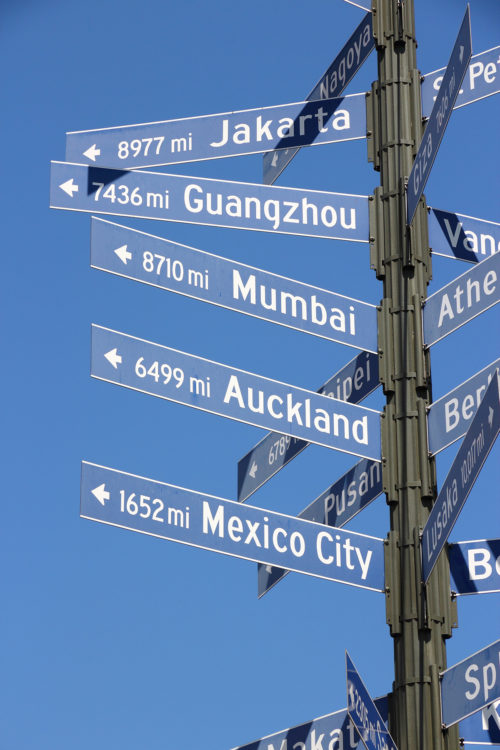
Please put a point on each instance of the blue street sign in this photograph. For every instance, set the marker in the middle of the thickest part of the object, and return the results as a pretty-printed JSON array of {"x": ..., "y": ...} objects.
[
  {"x": 228, "y": 527},
  {"x": 462, "y": 299},
  {"x": 236, "y": 286},
  {"x": 450, "y": 415},
  {"x": 477, "y": 443},
  {"x": 364, "y": 713},
  {"x": 199, "y": 200},
  {"x": 352, "y": 383},
  {"x": 335, "y": 506},
  {"x": 470, "y": 685},
  {"x": 236, "y": 394},
  {"x": 475, "y": 566},
  {"x": 482, "y": 79},
  {"x": 216, "y": 136},
  {"x": 483, "y": 727},
  {"x": 438, "y": 119},
  {"x": 462, "y": 237},
  {"x": 334, "y": 731},
  {"x": 331, "y": 84}
]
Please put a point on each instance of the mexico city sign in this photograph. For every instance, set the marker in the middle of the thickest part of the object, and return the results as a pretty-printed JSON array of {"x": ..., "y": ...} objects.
[
  {"x": 235, "y": 286},
  {"x": 470, "y": 685},
  {"x": 226, "y": 526},
  {"x": 243, "y": 396},
  {"x": 197, "y": 200},
  {"x": 462, "y": 299},
  {"x": 352, "y": 383},
  {"x": 216, "y": 136},
  {"x": 438, "y": 119},
  {"x": 478, "y": 441}
]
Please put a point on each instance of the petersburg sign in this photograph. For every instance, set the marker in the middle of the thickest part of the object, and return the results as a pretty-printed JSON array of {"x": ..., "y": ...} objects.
[
  {"x": 462, "y": 299},
  {"x": 470, "y": 685},
  {"x": 478, "y": 441},
  {"x": 236, "y": 286},
  {"x": 481, "y": 80},
  {"x": 197, "y": 200},
  {"x": 236, "y": 394},
  {"x": 352, "y": 383},
  {"x": 438, "y": 120},
  {"x": 215, "y": 136},
  {"x": 228, "y": 527}
]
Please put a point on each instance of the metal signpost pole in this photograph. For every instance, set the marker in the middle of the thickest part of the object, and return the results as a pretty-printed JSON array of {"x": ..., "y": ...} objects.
[{"x": 420, "y": 617}]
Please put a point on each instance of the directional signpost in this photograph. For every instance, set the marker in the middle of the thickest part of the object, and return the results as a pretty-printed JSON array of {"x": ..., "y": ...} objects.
[
  {"x": 340, "y": 502},
  {"x": 475, "y": 566},
  {"x": 480, "y": 437},
  {"x": 482, "y": 79},
  {"x": 471, "y": 684},
  {"x": 334, "y": 731},
  {"x": 236, "y": 394},
  {"x": 331, "y": 84},
  {"x": 462, "y": 299},
  {"x": 450, "y": 415},
  {"x": 216, "y": 136},
  {"x": 352, "y": 383},
  {"x": 439, "y": 116},
  {"x": 364, "y": 713},
  {"x": 241, "y": 205},
  {"x": 482, "y": 728},
  {"x": 233, "y": 285},
  {"x": 228, "y": 527},
  {"x": 462, "y": 237}
]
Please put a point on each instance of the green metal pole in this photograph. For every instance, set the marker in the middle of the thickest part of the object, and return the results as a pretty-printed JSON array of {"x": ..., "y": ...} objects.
[{"x": 420, "y": 617}]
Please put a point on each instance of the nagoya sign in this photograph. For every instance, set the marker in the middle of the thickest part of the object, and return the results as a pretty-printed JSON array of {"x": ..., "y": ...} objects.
[
  {"x": 249, "y": 131},
  {"x": 331, "y": 84},
  {"x": 194, "y": 200},
  {"x": 352, "y": 383},
  {"x": 195, "y": 273},
  {"x": 461, "y": 300},
  {"x": 236, "y": 394},
  {"x": 439, "y": 116},
  {"x": 470, "y": 685},
  {"x": 225, "y": 526},
  {"x": 478, "y": 441}
]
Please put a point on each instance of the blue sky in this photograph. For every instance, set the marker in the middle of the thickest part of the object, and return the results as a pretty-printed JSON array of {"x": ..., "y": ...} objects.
[{"x": 111, "y": 639}]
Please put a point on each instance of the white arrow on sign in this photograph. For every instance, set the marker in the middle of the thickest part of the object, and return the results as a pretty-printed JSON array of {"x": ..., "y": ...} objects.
[
  {"x": 69, "y": 187},
  {"x": 114, "y": 358},
  {"x": 123, "y": 254},
  {"x": 92, "y": 152},
  {"x": 253, "y": 469},
  {"x": 101, "y": 494}
]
